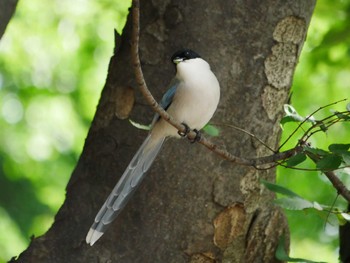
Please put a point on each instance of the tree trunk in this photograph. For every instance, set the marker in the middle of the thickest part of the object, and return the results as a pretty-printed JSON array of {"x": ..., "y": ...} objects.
[
  {"x": 7, "y": 9},
  {"x": 192, "y": 206}
]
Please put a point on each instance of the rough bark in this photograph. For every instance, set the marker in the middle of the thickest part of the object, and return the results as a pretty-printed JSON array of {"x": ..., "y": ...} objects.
[
  {"x": 7, "y": 9},
  {"x": 192, "y": 206}
]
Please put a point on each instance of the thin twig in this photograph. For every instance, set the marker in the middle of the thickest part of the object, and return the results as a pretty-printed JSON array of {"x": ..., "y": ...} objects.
[
  {"x": 246, "y": 132},
  {"x": 308, "y": 169},
  {"x": 333, "y": 178},
  {"x": 306, "y": 119},
  {"x": 331, "y": 120},
  {"x": 330, "y": 211},
  {"x": 338, "y": 184}
]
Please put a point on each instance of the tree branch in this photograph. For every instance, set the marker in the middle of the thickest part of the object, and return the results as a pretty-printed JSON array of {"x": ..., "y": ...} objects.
[
  {"x": 333, "y": 178},
  {"x": 338, "y": 184}
]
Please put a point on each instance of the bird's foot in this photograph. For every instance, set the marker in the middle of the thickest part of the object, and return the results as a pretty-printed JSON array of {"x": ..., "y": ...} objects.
[
  {"x": 197, "y": 137},
  {"x": 187, "y": 130}
]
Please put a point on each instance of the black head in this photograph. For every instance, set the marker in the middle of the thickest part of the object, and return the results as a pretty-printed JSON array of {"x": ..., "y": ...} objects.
[{"x": 184, "y": 54}]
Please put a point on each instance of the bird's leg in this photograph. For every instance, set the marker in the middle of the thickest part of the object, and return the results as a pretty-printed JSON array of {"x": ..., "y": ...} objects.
[
  {"x": 197, "y": 137},
  {"x": 187, "y": 130}
]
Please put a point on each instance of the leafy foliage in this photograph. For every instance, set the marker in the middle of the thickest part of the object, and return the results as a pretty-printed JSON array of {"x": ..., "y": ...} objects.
[
  {"x": 322, "y": 76},
  {"x": 293, "y": 201},
  {"x": 334, "y": 158}
]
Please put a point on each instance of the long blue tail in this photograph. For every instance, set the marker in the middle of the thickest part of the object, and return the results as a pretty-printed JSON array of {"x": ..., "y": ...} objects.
[{"x": 125, "y": 187}]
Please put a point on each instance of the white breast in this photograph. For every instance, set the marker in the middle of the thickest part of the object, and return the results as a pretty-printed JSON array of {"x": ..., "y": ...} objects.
[{"x": 197, "y": 95}]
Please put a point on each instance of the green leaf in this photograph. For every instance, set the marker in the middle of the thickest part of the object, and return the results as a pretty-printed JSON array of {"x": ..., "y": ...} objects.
[
  {"x": 316, "y": 151},
  {"x": 292, "y": 113},
  {"x": 343, "y": 218},
  {"x": 287, "y": 119},
  {"x": 341, "y": 116},
  {"x": 338, "y": 148},
  {"x": 329, "y": 162},
  {"x": 289, "y": 110},
  {"x": 323, "y": 127},
  {"x": 295, "y": 203},
  {"x": 346, "y": 158},
  {"x": 346, "y": 216},
  {"x": 211, "y": 130},
  {"x": 348, "y": 107},
  {"x": 140, "y": 126},
  {"x": 317, "y": 206},
  {"x": 292, "y": 201},
  {"x": 342, "y": 151},
  {"x": 279, "y": 189},
  {"x": 282, "y": 255},
  {"x": 296, "y": 159}
]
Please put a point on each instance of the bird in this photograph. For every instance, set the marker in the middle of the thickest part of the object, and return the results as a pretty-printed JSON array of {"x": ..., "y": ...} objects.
[{"x": 192, "y": 99}]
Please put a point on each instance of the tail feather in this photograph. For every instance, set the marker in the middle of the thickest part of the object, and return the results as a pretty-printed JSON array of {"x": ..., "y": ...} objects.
[{"x": 125, "y": 187}]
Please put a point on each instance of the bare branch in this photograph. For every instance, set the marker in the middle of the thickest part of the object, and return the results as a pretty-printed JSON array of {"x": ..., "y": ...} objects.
[
  {"x": 138, "y": 71},
  {"x": 338, "y": 184},
  {"x": 247, "y": 132},
  {"x": 333, "y": 178}
]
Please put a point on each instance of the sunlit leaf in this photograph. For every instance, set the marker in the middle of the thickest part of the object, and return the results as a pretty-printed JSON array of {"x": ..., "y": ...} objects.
[
  {"x": 289, "y": 110},
  {"x": 292, "y": 201},
  {"x": 346, "y": 158},
  {"x": 341, "y": 219},
  {"x": 346, "y": 216},
  {"x": 334, "y": 219},
  {"x": 295, "y": 203},
  {"x": 292, "y": 113},
  {"x": 211, "y": 130},
  {"x": 317, "y": 206}
]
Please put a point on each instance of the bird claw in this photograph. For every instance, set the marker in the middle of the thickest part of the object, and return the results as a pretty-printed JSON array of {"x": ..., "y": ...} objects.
[
  {"x": 186, "y": 132},
  {"x": 197, "y": 137}
]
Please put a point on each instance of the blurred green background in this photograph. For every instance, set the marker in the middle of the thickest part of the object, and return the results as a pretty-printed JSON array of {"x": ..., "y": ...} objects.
[
  {"x": 53, "y": 63},
  {"x": 322, "y": 77}
]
